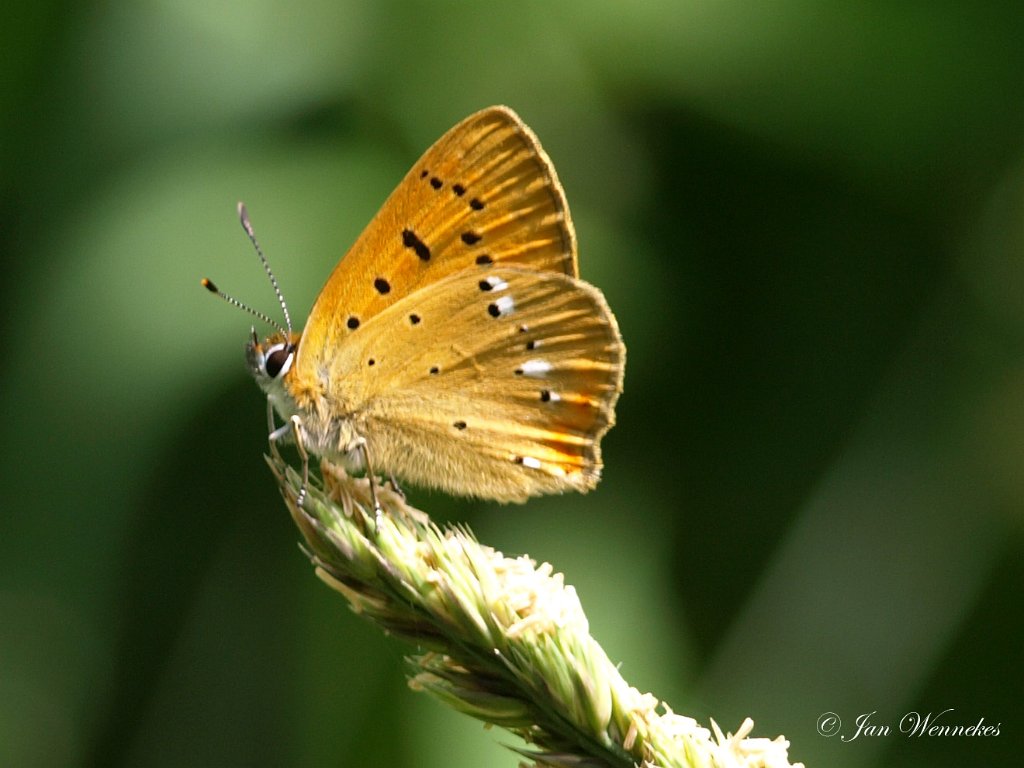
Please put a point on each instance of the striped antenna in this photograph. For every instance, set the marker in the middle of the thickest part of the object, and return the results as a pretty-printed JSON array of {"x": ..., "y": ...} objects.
[
  {"x": 243, "y": 216},
  {"x": 208, "y": 285}
]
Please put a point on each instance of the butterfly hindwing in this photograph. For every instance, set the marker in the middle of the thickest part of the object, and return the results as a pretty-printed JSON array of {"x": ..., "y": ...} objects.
[{"x": 497, "y": 384}]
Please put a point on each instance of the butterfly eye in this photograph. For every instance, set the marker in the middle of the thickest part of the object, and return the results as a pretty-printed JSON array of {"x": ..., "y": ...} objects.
[{"x": 278, "y": 360}]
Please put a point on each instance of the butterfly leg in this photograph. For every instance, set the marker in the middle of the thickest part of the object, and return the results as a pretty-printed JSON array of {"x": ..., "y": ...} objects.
[
  {"x": 277, "y": 434},
  {"x": 395, "y": 486},
  {"x": 296, "y": 424},
  {"x": 378, "y": 511},
  {"x": 271, "y": 429}
]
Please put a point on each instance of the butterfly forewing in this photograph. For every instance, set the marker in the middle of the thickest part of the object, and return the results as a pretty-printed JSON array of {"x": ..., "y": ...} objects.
[
  {"x": 499, "y": 384},
  {"x": 484, "y": 194}
]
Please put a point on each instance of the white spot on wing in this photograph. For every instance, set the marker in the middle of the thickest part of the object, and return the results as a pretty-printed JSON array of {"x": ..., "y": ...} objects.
[
  {"x": 532, "y": 463},
  {"x": 496, "y": 283},
  {"x": 505, "y": 305},
  {"x": 535, "y": 368}
]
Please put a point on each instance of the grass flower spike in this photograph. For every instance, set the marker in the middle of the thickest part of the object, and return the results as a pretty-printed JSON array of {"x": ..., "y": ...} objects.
[{"x": 501, "y": 639}]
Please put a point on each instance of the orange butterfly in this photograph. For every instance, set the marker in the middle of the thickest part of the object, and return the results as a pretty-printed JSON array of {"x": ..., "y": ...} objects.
[{"x": 454, "y": 346}]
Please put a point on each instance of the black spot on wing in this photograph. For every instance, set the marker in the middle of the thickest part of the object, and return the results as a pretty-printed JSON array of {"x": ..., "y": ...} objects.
[{"x": 411, "y": 240}]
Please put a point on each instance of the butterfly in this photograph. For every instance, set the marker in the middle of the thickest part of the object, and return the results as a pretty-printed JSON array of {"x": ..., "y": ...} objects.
[{"x": 455, "y": 346}]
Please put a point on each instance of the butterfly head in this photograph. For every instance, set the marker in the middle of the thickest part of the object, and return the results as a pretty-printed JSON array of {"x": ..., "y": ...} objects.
[{"x": 270, "y": 360}]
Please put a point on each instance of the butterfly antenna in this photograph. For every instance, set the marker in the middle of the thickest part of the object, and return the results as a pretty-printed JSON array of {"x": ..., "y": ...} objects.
[
  {"x": 243, "y": 216},
  {"x": 208, "y": 285}
]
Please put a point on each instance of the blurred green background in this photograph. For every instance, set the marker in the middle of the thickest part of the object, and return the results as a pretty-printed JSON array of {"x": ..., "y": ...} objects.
[{"x": 809, "y": 219}]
